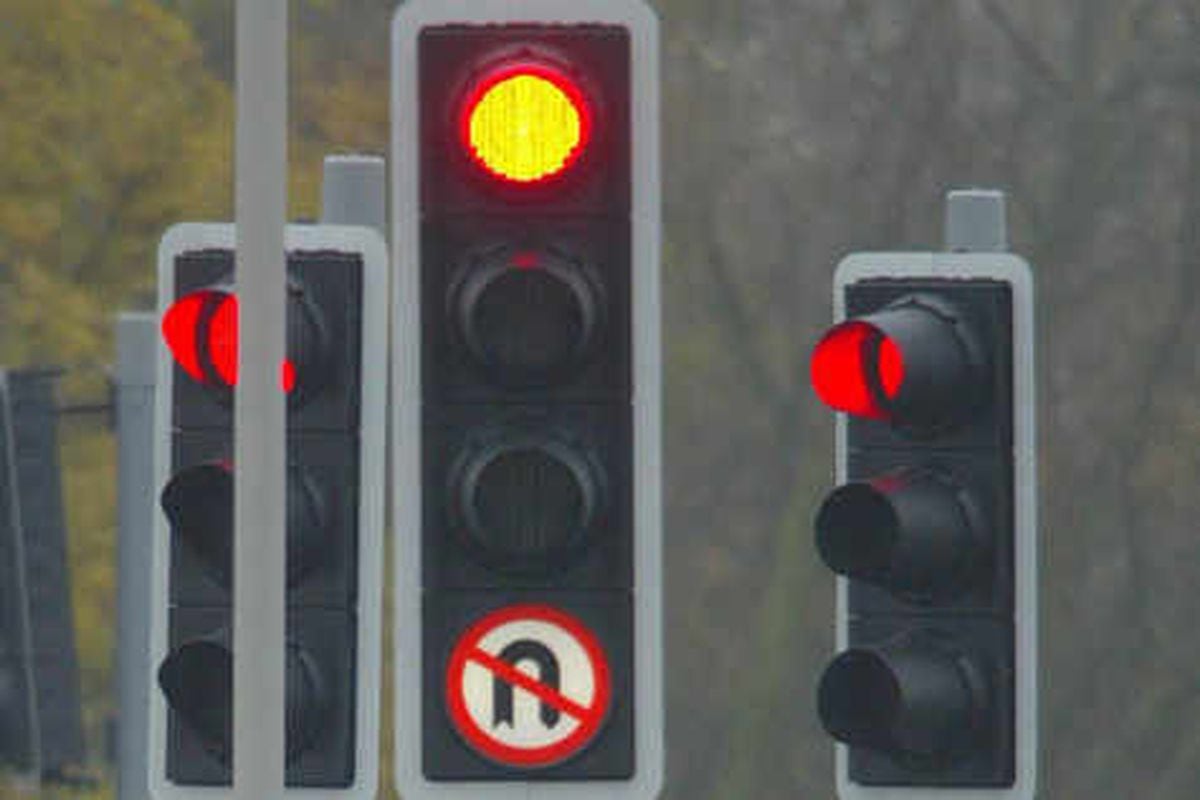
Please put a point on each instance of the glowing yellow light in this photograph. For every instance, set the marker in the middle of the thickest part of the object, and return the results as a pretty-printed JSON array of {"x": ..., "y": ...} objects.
[{"x": 527, "y": 127}]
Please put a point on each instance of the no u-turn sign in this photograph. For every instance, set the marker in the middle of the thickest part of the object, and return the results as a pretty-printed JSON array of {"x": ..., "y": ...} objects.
[{"x": 528, "y": 686}]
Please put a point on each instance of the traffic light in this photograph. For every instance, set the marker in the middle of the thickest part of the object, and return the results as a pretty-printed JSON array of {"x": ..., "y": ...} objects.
[
  {"x": 41, "y": 727},
  {"x": 526, "y": 412},
  {"x": 931, "y": 528},
  {"x": 20, "y": 739},
  {"x": 335, "y": 379}
]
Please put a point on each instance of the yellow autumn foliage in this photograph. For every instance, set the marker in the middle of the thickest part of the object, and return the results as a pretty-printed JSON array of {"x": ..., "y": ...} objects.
[{"x": 111, "y": 129}]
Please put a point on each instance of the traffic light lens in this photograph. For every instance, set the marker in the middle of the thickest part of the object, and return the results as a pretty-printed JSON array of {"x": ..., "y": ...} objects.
[
  {"x": 533, "y": 341},
  {"x": 308, "y": 526},
  {"x": 858, "y": 698},
  {"x": 528, "y": 317},
  {"x": 183, "y": 329},
  {"x": 197, "y": 680},
  {"x": 527, "y": 503},
  {"x": 891, "y": 367},
  {"x": 857, "y": 529},
  {"x": 917, "y": 534},
  {"x": 858, "y": 369},
  {"x": 526, "y": 123},
  {"x": 222, "y": 340},
  {"x": 532, "y": 501},
  {"x": 223, "y": 346},
  {"x": 911, "y": 696},
  {"x": 198, "y": 503},
  {"x": 201, "y": 331}
]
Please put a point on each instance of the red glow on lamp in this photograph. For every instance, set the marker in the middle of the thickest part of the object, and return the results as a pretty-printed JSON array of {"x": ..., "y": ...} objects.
[
  {"x": 526, "y": 123},
  {"x": 180, "y": 327},
  {"x": 222, "y": 340},
  {"x": 526, "y": 259},
  {"x": 853, "y": 365},
  {"x": 201, "y": 330}
]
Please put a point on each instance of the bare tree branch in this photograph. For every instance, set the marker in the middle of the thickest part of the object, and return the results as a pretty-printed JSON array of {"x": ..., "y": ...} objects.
[
  {"x": 1024, "y": 48},
  {"x": 1192, "y": 14},
  {"x": 728, "y": 303},
  {"x": 1173, "y": 340},
  {"x": 1164, "y": 72},
  {"x": 1142, "y": 15}
]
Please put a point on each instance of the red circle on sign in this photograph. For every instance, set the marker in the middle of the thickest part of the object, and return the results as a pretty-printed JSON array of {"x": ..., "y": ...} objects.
[{"x": 590, "y": 719}]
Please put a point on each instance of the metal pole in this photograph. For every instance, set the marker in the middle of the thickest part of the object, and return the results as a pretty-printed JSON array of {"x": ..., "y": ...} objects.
[
  {"x": 976, "y": 221},
  {"x": 136, "y": 360},
  {"x": 29, "y": 763},
  {"x": 354, "y": 192},
  {"x": 259, "y": 414}
]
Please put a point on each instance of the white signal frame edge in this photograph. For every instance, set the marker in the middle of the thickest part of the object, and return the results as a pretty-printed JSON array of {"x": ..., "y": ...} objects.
[
  {"x": 1016, "y": 272},
  {"x": 193, "y": 236},
  {"x": 642, "y": 24}
]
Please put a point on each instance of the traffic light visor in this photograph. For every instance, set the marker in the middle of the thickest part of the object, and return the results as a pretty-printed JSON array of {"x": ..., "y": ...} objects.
[
  {"x": 858, "y": 369},
  {"x": 201, "y": 331},
  {"x": 858, "y": 698},
  {"x": 526, "y": 122},
  {"x": 197, "y": 679},
  {"x": 857, "y": 530},
  {"x": 198, "y": 502},
  {"x": 909, "y": 697}
]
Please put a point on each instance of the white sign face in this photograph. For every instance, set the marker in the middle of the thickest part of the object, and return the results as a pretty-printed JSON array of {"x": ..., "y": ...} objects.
[{"x": 528, "y": 686}]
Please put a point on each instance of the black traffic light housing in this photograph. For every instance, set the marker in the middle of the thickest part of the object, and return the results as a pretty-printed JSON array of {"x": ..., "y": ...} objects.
[
  {"x": 525, "y": 321},
  {"x": 929, "y": 527},
  {"x": 526, "y": 366}
]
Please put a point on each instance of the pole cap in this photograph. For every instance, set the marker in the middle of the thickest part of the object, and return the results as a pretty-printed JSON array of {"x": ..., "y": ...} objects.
[{"x": 976, "y": 221}]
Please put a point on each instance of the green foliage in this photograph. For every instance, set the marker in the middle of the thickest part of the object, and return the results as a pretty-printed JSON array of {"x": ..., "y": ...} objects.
[
  {"x": 338, "y": 61},
  {"x": 111, "y": 131},
  {"x": 88, "y": 456},
  {"x": 68, "y": 335},
  {"x": 18, "y": 788}
]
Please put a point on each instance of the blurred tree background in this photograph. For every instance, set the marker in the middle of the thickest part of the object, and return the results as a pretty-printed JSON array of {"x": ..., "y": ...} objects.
[{"x": 795, "y": 132}]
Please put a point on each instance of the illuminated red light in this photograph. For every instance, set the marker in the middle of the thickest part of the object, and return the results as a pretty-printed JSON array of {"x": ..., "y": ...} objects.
[
  {"x": 287, "y": 377},
  {"x": 855, "y": 368},
  {"x": 180, "y": 327},
  {"x": 201, "y": 331},
  {"x": 222, "y": 340}
]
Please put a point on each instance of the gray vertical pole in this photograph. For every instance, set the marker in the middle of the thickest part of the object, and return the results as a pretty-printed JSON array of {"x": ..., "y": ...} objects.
[
  {"x": 136, "y": 360},
  {"x": 976, "y": 221},
  {"x": 16, "y": 572},
  {"x": 354, "y": 192},
  {"x": 259, "y": 410}
]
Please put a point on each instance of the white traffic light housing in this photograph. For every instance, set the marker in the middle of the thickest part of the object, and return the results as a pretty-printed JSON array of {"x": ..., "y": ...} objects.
[
  {"x": 527, "y": 399},
  {"x": 335, "y": 379},
  {"x": 932, "y": 527}
]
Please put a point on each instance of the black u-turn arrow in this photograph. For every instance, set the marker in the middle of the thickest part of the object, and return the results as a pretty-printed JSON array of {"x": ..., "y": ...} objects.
[{"x": 548, "y": 674}]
